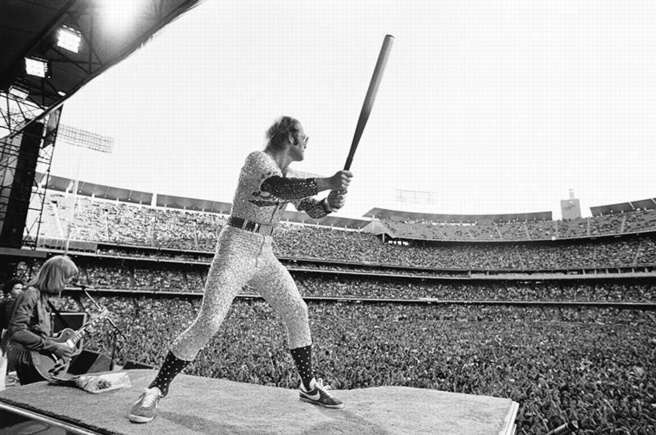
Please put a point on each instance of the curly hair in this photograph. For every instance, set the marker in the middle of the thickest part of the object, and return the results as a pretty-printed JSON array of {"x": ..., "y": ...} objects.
[
  {"x": 280, "y": 131},
  {"x": 10, "y": 285}
]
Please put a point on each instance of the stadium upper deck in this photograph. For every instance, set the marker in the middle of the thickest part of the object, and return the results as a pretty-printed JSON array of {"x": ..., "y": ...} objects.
[{"x": 100, "y": 207}]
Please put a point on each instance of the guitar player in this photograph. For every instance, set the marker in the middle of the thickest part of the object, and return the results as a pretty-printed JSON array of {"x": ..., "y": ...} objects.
[{"x": 30, "y": 327}]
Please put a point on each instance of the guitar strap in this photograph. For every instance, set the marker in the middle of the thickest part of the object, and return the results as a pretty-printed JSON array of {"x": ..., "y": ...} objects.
[{"x": 58, "y": 315}]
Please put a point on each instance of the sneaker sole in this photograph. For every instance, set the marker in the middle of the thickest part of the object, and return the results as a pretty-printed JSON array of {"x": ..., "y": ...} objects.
[
  {"x": 314, "y": 402},
  {"x": 140, "y": 419}
]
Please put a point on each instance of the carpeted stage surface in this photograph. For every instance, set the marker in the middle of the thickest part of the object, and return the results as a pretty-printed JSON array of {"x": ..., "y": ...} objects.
[{"x": 198, "y": 405}]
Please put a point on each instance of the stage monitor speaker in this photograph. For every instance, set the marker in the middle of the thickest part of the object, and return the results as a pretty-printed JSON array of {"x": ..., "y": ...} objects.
[
  {"x": 90, "y": 362},
  {"x": 18, "y": 161},
  {"x": 74, "y": 320}
]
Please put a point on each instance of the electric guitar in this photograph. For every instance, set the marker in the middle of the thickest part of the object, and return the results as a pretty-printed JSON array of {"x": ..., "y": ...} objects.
[{"x": 49, "y": 365}]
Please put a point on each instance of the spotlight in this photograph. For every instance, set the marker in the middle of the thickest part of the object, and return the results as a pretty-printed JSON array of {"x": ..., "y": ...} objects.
[
  {"x": 69, "y": 39},
  {"x": 19, "y": 90},
  {"x": 37, "y": 67}
]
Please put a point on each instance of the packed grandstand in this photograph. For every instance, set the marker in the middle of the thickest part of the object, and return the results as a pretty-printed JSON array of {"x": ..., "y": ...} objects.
[{"x": 556, "y": 315}]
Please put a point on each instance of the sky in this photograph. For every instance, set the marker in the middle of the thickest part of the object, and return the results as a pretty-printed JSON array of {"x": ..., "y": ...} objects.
[{"x": 492, "y": 106}]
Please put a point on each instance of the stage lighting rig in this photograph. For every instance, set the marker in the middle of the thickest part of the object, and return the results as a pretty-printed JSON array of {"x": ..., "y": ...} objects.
[
  {"x": 19, "y": 90},
  {"x": 69, "y": 39},
  {"x": 38, "y": 67}
]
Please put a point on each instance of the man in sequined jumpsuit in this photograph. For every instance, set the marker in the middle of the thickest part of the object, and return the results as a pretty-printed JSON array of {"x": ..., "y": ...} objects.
[{"x": 244, "y": 255}]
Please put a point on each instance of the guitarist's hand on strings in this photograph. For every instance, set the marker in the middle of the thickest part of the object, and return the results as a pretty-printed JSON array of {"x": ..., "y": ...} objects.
[{"x": 63, "y": 350}]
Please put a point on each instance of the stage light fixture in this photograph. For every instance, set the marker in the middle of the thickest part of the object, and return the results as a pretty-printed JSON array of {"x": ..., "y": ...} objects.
[
  {"x": 37, "y": 67},
  {"x": 69, "y": 39},
  {"x": 19, "y": 90}
]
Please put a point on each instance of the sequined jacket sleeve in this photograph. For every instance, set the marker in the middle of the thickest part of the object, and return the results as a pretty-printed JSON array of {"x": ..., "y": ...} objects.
[
  {"x": 290, "y": 188},
  {"x": 298, "y": 191},
  {"x": 315, "y": 209},
  {"x": 264, "y": 191}
]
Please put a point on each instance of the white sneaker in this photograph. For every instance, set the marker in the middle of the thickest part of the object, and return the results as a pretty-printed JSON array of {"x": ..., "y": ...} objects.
[
  {"x": 319, "y": 395},
  {"x": 145, "y": 408}
]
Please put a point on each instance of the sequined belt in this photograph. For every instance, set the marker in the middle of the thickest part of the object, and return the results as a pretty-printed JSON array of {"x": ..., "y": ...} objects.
[{"x": 253, "y": 227}]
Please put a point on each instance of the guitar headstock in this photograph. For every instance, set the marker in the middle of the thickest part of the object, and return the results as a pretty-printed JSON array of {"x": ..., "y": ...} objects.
[{"x": 103, "y": 314}]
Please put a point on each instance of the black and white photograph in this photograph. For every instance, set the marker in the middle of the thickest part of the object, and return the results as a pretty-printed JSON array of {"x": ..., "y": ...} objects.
[{"x": 353, "y": 217}]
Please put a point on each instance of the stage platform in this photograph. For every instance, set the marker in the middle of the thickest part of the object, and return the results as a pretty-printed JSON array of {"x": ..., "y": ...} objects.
[{"x": 199, "y": 405}]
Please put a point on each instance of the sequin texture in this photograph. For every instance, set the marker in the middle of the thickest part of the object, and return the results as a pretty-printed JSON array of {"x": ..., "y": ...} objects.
[
  {"x": 264, "y": 191},
  {"x": 290, "y": 188},
  {"x": 243, "y": 257}
]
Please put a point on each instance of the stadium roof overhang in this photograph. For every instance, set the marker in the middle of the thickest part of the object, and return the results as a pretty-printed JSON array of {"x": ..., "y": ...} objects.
[
  {"x": 29, "y": 29},
  {"x": 329, "y": 221},
  {"x": 62, "y": 184},
  {"x": 624, "y": 207},
  {"x": 383, "y": 213}
]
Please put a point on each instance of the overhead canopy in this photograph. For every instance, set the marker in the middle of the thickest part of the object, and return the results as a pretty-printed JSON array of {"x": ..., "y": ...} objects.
[
  {"x": 172, "y": 201},
  {"x": 383, "y": 213},
  {"x": 29, "y": 29},
  {"x": 330, "y": 220},
  {"x": 62, "y": 184},
  {"x": 624, "y": 207}
]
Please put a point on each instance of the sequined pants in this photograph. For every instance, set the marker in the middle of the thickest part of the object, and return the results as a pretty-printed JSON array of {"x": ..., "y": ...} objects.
[{"x": 242, "y": 258}]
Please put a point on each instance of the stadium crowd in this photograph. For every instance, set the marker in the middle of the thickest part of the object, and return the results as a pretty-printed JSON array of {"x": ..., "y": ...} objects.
[
  {"x": 592, "y": 365},
  {"x": 93, "y": 219},
  {"x": 184, "y": 278},
  {"x": 630, "y": 222},
  {"x": 189, "y": 234},
  {"x": 292, "y": 241},
  {"x": 559, "y": 362}
]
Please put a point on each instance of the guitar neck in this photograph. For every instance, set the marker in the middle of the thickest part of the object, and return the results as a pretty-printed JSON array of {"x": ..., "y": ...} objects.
[{"x": 77, "y": 335}]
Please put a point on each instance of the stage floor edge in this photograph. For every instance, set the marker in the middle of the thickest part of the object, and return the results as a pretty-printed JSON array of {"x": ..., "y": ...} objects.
[
  {"x": 198, "y": 405},
  {"x": 19, "y": 420}
]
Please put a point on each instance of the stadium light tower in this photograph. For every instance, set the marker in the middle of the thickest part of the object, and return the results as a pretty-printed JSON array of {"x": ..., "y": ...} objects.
[
  {"x": 69, "y": 39},
  {"x": 37, "y": 67},
  {"x": 19, "y": 90}
]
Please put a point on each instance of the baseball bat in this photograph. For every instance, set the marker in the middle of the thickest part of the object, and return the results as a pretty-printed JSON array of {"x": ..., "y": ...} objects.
[{"x": 370, "y": 97}]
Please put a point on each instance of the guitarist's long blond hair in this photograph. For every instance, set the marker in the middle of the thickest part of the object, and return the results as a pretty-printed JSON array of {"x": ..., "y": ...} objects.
[{"x": 54, "y": 274}]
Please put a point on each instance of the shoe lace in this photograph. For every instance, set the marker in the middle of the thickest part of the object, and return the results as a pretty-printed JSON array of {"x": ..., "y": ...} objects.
[
  {"x": 320, "y": 386},
  {"x": 149, "y": 398}
]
